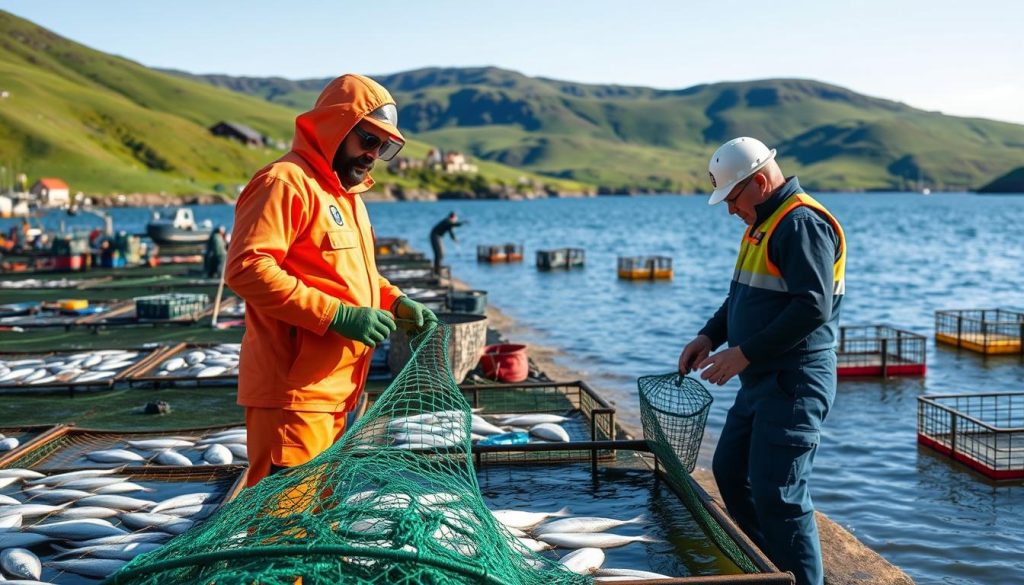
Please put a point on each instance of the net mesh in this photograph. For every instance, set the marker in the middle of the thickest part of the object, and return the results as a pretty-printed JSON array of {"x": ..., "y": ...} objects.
[
  {"x": 673, "y": 411},
  {"x": 395, "y": 501}
]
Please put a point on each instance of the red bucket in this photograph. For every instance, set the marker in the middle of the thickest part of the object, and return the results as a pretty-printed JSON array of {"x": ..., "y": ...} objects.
[{"x": 505, "y": 362}]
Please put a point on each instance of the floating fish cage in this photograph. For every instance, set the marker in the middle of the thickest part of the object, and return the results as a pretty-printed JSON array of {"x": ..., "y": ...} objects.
[
  {"x": 223, "y": 483},
  {"x": 66, "y": 448},
  {"x": 645, "y": 267},
  {"x": 37, "y": 372},
  {"x": 168, "y": 306},
  {"x": 190, "y": 364},
  {"x": 560, "y": 258},
  {"x": 880, "y": 350},
  {"x": 384, "y": 247},
  {"x": 983, "y": 431},
  {"x": 690, "y": 537},
  {"x": 588, "y": 416},
  {"x": 25, "y": 438},
  {"x": 63, "y": 313},
  {"x": 986, "y": 331},
  {"x": 499, "y": 254}
]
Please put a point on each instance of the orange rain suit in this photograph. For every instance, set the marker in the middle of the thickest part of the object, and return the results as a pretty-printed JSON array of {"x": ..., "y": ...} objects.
[{"x": 302, "y": 244}]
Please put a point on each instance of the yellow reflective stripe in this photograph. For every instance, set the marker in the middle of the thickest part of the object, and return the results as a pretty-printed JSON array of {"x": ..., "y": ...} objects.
[{"x": 758, "y": 280}]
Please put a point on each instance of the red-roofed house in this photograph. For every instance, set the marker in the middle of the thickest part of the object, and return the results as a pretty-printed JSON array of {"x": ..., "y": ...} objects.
[{"x": 51, "y": 192}]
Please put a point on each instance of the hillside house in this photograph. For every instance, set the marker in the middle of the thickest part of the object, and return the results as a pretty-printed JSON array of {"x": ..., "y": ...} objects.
[
  {"x": 51, "y": 192},
  {"x": 239, "y": 132}
]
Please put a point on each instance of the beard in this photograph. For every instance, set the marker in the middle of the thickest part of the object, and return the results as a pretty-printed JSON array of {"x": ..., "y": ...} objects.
[{"x": 352, "y": 170}]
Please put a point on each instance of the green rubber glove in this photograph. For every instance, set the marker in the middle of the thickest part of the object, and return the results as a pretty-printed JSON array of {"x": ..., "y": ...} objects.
[
  {"x": 413, "y": 316},
  {"x": 363, "y": 324}
]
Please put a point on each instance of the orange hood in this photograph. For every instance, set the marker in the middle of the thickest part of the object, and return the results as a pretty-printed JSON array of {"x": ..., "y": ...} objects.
[{"x": 341, "y": 105}]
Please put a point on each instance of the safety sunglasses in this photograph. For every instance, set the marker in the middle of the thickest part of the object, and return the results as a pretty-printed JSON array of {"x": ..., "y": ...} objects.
[
  {"x": 386, "y": 149},
  {"x": 731, "y": 200}
]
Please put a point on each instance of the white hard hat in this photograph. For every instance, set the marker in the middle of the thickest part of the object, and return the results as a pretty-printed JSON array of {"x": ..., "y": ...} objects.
[{"x": 734, "y": 161}]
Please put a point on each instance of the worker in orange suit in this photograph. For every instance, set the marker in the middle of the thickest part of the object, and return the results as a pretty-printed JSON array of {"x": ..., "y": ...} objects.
[{"x": 302, "y": 259}]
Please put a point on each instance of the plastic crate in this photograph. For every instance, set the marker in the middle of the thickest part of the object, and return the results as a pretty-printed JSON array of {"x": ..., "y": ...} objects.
[{"x": 170, "y": 305}]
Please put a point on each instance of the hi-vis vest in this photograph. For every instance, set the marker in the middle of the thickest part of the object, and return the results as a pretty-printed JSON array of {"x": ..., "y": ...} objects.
[{"x": 755, "y": 269}]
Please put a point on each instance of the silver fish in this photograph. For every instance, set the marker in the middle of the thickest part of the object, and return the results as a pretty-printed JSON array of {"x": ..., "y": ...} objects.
[
  {"x": 117, "y": 502},
  {"x": 169, "y": 457},
  {"x": 239, "y": 450},
  {"x": 124, "y": 552},
  {"x": 91, "y": 483},
  {"x": 534, "y": 545},
  {"x": 114, "y": 456},
  {"x": 183, "y": 500},
  {"x": 56, "y": 496},
  {"x": 6, "y": 500},
  {"x": 61, "y": 478},
  {"x": 123, "y": 487},
  {"x": 21, "y": 473},
  {"x": 19, "y": 562},
  {"x": 9, "y": 444},
  {"x": 525, "y": 520},
  {"x": 550, "y": 432},
  {"x": 427, "y": 439},
  {"x": 529, "y": 420},
  {"x": 197, "y": 512},
  {"x": 155, "y": 444},
  {"x": 583, "y": 561},
  {"x": 10, "y": 523},
  {"x": 80, "y": 512},
  {"x": 605, "y": 574},
  {"x": 81, "y": 529},
  {"x": 485, "y": 428},
  {"x": 6, "y": 481},
  {"x": 157, "y": 537},
  {"x": 591, "y": 540},
  {"x": 585, "y": 524},
  {"x": 173, "y": 364},
  {"x": 32, "y": 510},
  {"x": 218, "y": 455},
  {"x": 163, "y": 522},
  {"x": 89, "y": 567}
]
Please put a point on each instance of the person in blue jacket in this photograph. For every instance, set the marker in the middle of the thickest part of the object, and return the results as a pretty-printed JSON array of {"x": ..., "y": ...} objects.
[{"x": 781, "y": 321}]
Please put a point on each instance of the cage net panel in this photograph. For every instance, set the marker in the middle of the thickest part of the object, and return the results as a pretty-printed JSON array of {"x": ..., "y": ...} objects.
[
  {"x": 395, "y": 501},
  {"x": 673, "y": 411}
]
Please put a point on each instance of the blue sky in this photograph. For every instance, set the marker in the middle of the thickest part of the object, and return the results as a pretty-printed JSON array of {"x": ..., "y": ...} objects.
[{"x": 962, "y": 58}]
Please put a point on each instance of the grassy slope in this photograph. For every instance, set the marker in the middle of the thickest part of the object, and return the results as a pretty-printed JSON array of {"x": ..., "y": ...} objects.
[
  {"x": 634, "y": 136},
  {"x": 106, "y": 124}
]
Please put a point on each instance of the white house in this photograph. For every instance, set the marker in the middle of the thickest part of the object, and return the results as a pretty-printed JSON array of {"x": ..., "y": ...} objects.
[{"x": 51, "y": 192}]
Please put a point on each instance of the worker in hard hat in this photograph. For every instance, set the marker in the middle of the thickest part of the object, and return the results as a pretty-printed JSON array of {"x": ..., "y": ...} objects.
[
  {"x": 302, "y": 258},
  {"x": 780, "y": 320}
]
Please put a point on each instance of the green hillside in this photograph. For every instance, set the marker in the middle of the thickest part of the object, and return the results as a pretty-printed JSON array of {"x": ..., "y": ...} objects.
[
  {"x": 641, "y": 138},
  {"x": 106, "y": 124}
]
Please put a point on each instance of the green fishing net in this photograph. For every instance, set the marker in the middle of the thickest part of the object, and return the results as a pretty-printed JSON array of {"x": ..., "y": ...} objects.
[
  {"x": 674, "y": 411},
  {"x": 395, "y": 501}
]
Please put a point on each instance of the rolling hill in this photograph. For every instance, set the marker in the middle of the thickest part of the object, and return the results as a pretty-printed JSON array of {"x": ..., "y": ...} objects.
[
  {"x": 106, "y": 124},
  {"x": 625, "y": 138}
]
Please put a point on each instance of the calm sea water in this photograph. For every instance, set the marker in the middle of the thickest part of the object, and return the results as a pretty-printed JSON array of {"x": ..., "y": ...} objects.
[{"x": 909, "y": 256}]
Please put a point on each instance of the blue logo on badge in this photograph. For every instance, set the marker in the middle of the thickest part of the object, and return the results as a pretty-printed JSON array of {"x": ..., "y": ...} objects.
[{"x": 336, "y": 215}]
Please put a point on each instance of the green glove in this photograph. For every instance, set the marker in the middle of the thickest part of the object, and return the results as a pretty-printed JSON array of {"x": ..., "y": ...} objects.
[
  {"x": 414, "y": 316},
  {"x": 363, "y": 324}
]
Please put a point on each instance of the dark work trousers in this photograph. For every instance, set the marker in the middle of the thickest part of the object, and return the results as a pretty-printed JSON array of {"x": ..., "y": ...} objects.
[
  {"x": 764, "y": 458},
  {"x": 435, "y": 243}
]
